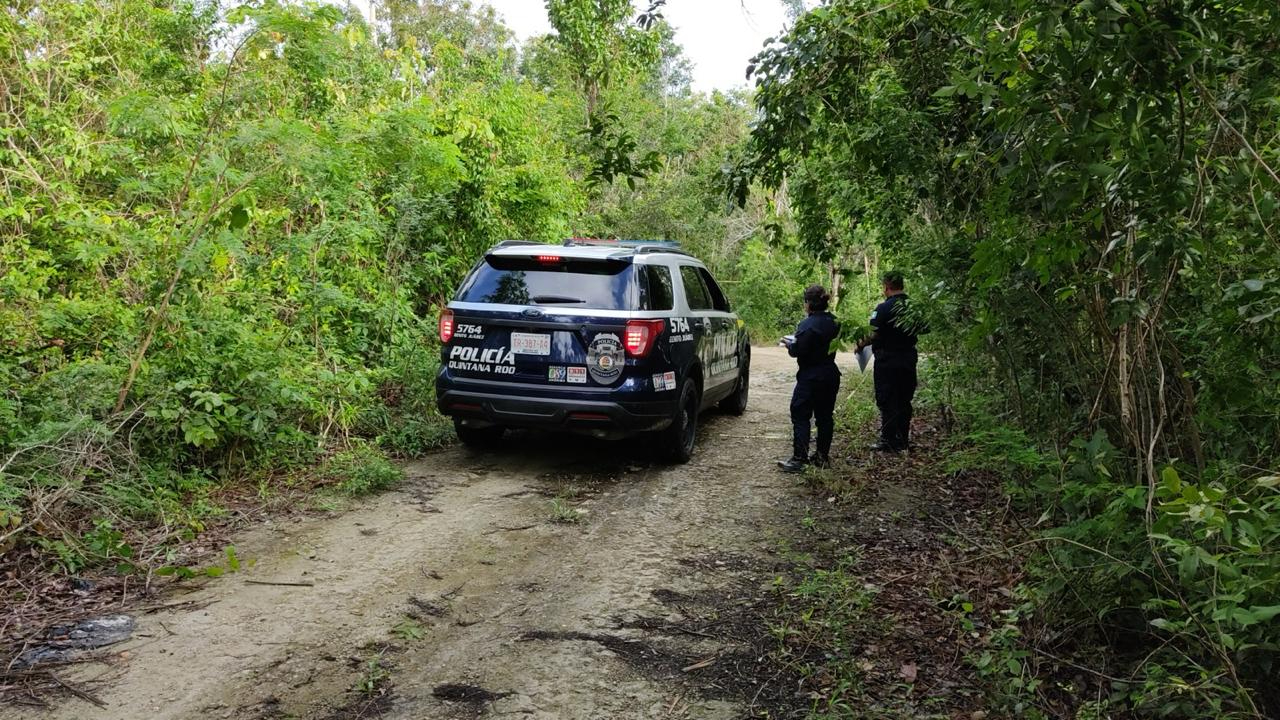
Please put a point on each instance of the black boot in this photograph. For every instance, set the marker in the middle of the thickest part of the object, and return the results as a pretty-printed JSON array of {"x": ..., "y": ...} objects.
[
  {"x": 792, "y": 465},
  {"x": 820, "y": 460}
]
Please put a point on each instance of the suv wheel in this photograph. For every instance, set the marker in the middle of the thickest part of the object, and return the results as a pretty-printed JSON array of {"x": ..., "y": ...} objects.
[
  {"x": 473, "y": 437},
  {"x": 736, "y": 404},
  {"x": 678, "y": 438}
]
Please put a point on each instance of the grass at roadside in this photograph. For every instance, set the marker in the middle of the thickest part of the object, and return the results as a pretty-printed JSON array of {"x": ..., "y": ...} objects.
[{"x": 887, "y": 606}]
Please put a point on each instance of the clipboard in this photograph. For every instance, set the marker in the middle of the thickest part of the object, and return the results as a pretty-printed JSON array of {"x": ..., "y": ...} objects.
[{"x": 864, "y": 358}]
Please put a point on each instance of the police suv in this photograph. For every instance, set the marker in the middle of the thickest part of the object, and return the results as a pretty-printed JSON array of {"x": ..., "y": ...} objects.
[{"x": 606, "y": 338}]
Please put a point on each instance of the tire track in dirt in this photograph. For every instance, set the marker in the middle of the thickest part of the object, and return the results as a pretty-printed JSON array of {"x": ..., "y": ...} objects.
[{"x": 513, "y": 614}]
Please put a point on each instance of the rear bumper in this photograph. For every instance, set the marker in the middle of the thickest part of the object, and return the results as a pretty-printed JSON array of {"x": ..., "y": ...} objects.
[{"x": 603, "y": 418}]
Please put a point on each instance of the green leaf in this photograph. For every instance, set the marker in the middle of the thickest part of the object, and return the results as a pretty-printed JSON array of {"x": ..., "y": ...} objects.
[
  {"x": 238, "y": 218},
  {"x": 1188, "y": 565},
  {"x": 1242, "y": 617},
  {"x": 1263, "y": 613},
  {"x": 1263, "y": 316}
]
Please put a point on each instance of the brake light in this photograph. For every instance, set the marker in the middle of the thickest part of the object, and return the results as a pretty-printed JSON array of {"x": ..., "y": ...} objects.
[
  {"x": 549, "y": 259},
  {"x": 642, "y": 335},
  {"x": 446, "y": 325}
]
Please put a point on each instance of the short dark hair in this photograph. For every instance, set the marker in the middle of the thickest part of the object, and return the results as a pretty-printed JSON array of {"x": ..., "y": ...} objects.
[
  {"x": 816, "y": 297},
  {"x": 892, "y": 280}
]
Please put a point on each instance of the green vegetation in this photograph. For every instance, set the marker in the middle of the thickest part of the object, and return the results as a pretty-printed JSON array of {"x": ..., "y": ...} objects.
[
  {"x": 225, "y": 230},
  {"x": 409, "y": 630},
  {"x": 564, "y": 513},
  {"x": 822, "y": 614},
  {"x": 1085, "y": 193}
]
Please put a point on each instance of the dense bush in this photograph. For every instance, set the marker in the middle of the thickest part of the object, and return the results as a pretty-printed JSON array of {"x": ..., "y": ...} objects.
[
  {"x": 225, "y": 230},
  {"x": 223, "y": 236},
  {"x": 1086, "y": 193}
]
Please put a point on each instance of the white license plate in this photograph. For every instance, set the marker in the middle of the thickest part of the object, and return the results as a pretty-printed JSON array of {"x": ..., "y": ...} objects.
[{"x": 530, "y": 344}]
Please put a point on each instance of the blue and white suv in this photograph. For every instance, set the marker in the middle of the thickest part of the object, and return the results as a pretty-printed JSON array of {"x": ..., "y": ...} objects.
[{"x": 606, "y": 338}]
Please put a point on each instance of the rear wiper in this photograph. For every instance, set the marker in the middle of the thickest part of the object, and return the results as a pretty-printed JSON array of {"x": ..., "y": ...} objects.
[{"x": 556, "y": 299}]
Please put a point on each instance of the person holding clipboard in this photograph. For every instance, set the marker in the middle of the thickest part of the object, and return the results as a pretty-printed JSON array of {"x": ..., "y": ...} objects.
[{"x": 817, "y": 381}]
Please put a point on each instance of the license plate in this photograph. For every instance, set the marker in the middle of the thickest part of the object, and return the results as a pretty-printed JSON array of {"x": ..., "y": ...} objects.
[{"x": 530, "y": 344}]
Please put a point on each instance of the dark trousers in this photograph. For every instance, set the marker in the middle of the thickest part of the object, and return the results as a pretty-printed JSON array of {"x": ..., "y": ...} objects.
[
  {"x": 895, "y": 387},
  {"x": 813, "y": 400}
]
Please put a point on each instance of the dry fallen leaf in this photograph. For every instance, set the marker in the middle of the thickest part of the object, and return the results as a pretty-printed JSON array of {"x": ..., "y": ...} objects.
[{"x": 909, "y": 671}]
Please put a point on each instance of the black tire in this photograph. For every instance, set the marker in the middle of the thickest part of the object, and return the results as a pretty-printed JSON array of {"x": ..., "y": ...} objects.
[
  {"x": 678, "y": 439},
  {"x": 736, "y": 404},
  {"x": 480, "y": 438}
]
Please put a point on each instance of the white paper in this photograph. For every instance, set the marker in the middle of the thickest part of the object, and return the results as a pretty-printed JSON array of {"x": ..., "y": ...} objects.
[{"x": 864, "y": 358}]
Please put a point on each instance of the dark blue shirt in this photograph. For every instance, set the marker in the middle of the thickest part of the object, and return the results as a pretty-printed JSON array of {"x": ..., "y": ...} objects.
[
  {"x": 812, "y": 347},
  {"x": 895, "y": 340}
]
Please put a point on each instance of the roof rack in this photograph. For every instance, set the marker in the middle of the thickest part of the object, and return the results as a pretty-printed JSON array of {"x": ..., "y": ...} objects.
[
  {"x": 637, "y": 246},
  {"x": 515, "y": 243}
]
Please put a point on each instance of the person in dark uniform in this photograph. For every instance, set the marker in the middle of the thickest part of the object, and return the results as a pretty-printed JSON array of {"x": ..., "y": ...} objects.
[
  {"x": 894, "y": 343},
  {"x": 817, "y": 381}
]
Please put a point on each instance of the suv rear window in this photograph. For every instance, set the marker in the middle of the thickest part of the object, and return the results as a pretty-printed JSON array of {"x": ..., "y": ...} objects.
[
  {"x": 695, "y": 291},
  {"x": 656, "y": 292},
  {"x": 594, "y": 284}
]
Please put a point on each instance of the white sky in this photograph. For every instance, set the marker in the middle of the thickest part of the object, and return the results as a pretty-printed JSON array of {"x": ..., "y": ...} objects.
[{"x": 719, "y": 36}]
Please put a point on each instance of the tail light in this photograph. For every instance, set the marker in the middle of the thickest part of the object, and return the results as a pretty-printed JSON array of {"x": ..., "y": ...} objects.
[
  {"x": 549, "y": 259},
  {"x": 446, "y": 325},
  {"x": 642, "y": 335}
]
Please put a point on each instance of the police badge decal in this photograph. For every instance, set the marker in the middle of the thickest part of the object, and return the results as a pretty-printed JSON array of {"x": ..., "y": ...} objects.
[{"x": 604, "y": 358}]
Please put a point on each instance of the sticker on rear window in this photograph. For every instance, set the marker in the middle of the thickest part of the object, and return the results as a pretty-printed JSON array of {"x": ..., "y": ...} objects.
[{"x": 577, "y": 375}]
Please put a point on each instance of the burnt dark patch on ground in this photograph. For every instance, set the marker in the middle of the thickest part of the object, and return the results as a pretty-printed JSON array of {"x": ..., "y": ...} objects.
[
  {"x": 420, "y": 609},
  {"x": 423, "y": 489},
  {"x": 267, "y": 709},
  {"x": 462, "y": 692},
  {"x": 667, "y": 596},
  {"x": 645, "y": 657},
  {"x": 725, "y": 673}
]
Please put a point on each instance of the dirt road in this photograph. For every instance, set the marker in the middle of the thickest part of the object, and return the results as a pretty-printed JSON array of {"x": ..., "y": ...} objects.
[{"x": 459, "y": 595}]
